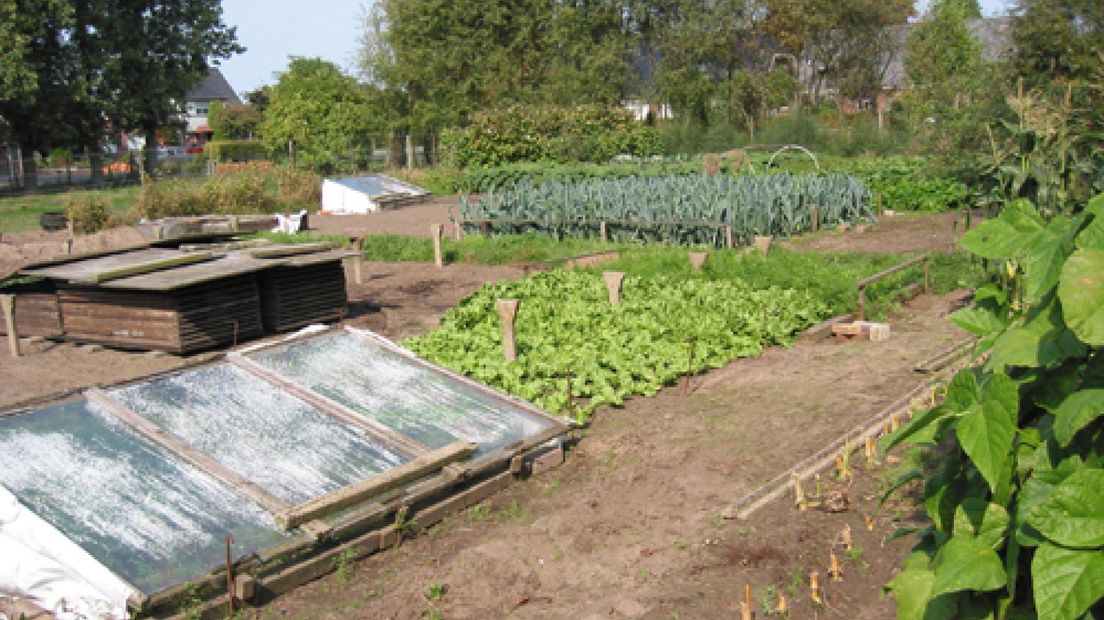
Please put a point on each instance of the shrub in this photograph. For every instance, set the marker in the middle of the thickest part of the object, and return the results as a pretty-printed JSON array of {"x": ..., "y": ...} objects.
[
  {"x": 298, "y": 187},
  {"x": 479, "y": 180},
  {"x": 87, "y": 212},
  {"x": 548, "y": 133},
  {"x": 236, "y": 150}
]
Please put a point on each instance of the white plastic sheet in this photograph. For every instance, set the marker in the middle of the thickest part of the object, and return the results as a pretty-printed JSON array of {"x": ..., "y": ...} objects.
[{"x": 41, "y": 564}]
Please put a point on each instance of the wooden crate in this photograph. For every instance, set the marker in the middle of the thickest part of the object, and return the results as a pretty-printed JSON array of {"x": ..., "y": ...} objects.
[
  {"x": 184, "y": 320},
  {"x": 296, "y": 295}
]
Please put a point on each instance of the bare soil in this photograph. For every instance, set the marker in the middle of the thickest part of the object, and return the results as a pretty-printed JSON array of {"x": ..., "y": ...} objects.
[{"x": 631, "y": 525}]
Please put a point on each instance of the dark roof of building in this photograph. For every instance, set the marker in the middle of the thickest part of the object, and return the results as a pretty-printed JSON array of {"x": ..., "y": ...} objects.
[{"x": 213, "y": 88}]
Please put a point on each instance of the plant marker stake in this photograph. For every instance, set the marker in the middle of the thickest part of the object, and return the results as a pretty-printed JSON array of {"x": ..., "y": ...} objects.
[
  {"x": 814, "y": 587},
  {"x": 871, "y": 451},
  {"x": 894, "y": 423},
  {"x": 845, "y": 537},
  {"x": 745, "y": 607},
  {"x": 689, "y": 370},
  {"x": 816, "y": 219},
  {"x": 835, "y": 569},
  {"x": 602, "y": 233},
  {"x": 729, "y": 237},
  {"x": 869, "y": 522},
  {"x": 229, "y": 575},
  {"x": 507, "y": 311},
  {"x": 697, "y": 259},
  {"x": 8, "y": 304},
  {"x": 613, "y": 285},
  {"x": 841, "y": 473},
  {"x": 781, "y": 608},
  {"x": 799, "y": 492},
  {"x": 438, "y": 255}
]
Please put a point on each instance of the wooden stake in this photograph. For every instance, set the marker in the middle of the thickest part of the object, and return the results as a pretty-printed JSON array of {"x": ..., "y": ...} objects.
[
  {"x": 358, "y": 261},
  {"x": 438, "y": 255},
  {"x": 613, "y": 285},
  {"x": 745, "y": 607},
  {"x": 835, "y": 569},
  {"x": 763, "y": 243},
  {"x": 8, "y": 304},
  {"x": 845, "y": 537},
  {"x": 781, "y": 608},
  {"x": 871, "y": 451},
  {"x": 697, "y": 259},
  {"x": 799, "y": 492},
  {"x": 814, "y": 588},
  {"x": 894, "y": 424},
  {"x": 458, "y": 230},
  {"x": 507, "y": 311},
  {"x": 869, "y": 520},
  {"x": 730, "y": 241},
  {"x": 229, "y": 575},
  {"x": 816, "y": 219},
  {"x": 602, "y": 232}
]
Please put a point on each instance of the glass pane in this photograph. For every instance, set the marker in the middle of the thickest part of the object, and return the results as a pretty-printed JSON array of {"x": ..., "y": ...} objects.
[
  {"x": 151, "y": 518},
  {"x": 429, "y": 407},
  {"x": 275, "y": 440}
]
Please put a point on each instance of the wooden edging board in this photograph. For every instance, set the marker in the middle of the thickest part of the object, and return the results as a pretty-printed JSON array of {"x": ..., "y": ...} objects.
[{"x": 357, "y": 492}]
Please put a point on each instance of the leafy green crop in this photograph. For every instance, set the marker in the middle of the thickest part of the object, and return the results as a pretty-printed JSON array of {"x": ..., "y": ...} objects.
[
  {"x": 572, "y": 344},
  {"x": 906, "y": 183},
  {"x": 1017, "y": 509},
  {"x": 674, "y": 208}
]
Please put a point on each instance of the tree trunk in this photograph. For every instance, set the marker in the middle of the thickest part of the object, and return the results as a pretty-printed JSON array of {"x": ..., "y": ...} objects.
[
  {"x": 30, "y": 173},
  {"x": 150, "y": 154},
  {"x": 409, "y": 151}
]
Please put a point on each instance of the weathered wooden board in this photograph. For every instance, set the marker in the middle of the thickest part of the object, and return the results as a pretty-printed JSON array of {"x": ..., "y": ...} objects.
[
  {"x": 293, "y": 296},
  {"x": 36, "y": 314}
]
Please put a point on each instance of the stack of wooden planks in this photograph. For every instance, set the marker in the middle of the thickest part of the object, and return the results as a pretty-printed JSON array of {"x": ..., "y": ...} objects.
[
  {"x": 303, "y": 290},
  {"x": 36, "y": 310}
]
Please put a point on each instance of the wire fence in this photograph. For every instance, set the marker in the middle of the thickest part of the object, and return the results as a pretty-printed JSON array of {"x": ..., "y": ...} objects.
[{"x": 20, "y": 175}]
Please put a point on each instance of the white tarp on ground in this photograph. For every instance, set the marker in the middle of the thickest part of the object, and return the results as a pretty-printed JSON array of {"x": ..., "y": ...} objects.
[
  {"x": 349, "y": 195},
  {"x": 39, "y": 563}
]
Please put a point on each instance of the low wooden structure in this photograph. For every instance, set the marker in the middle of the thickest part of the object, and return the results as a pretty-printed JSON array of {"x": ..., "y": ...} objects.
[
  {"x": 167, "y": 299},
  {"x": 36, "y": 310}
]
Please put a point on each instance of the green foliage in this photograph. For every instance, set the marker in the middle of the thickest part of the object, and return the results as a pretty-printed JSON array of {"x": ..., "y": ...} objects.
[
  {"x": 942, "y": 59},
  {"x": 548, "y": 133},
  {"x": 236, "y": 150},
  {"x": 481, "y": 180},
  {"x": 248, "y": 191},
  {"x": 233, "y": 121},
  {"x": 907, "y": 183},
  {"x": 514, "y": 249},
  {"x": 325, "y": 113},
  {"x": 87, "y": 212},
  {"x": 1059, "y": 40},
  {"x": 299, "y": 187},
  {"x": 1017, "y": 511},
  {"x": 672, "y": 208},
  {"x": 576, "y": 353}
]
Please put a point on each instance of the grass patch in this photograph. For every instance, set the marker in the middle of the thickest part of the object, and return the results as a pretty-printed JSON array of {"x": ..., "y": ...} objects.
[
  {"x": 302, "y": 237},
  {"x": 21, "y": 213},
  {"x": 831, "y": 276}
]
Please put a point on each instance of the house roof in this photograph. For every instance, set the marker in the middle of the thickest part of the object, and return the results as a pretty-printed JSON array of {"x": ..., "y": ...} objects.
[{"x": 213, "y": 88}]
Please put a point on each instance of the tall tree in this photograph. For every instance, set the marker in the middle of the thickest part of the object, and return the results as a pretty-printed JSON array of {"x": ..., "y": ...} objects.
[
  {"x": 943, "y": 59},
  {"x": 324, "y": 112},
  {"x": 1057, "y": 39},
  {"x": 158, "y": 50}
]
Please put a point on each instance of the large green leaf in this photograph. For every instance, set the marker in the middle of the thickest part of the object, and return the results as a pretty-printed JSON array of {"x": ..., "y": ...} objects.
[
  {"x": 1081, "y": 289},
  {"x": 978, "y": 321},
  {"x": 1092, "y": 235},
  {"x": 1066, "y": 582},
  {"x": 962, "y": 391},
  {"x": 987, "y": 429},
  {"x": 966, "y": 563},
  {"x": 1045, "y": 257},
  {"x": 1042, "y": 340},
  {"x": 1073, "y": 515},
  {"x": 1076, "y": 412},
  {"x": 911, "y": 592},
  {"x": 1007, "y": 236},
  {"x": 986, "y": 521}
]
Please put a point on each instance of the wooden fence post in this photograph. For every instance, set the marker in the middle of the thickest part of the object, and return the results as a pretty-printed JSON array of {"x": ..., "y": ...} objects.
[
  {"x": 438, "y": 254},
  {"x": 602, "y": 231},
  {"x": 816, "y": 219},
  {"x": 7, "y": 302},
  {"x": 507, "y": 311},
  {"x": 613, "y": 285},
  {"x": 729, "y": 238}
]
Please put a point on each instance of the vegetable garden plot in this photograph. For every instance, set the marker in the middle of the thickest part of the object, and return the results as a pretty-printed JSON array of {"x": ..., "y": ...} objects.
[{"x": 137, "y": 486}]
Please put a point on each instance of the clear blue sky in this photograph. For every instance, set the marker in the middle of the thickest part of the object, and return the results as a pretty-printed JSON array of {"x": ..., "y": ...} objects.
[{"x": 272, "y": 30}]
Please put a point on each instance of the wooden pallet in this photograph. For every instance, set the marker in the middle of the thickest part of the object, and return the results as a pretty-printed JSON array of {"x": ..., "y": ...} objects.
[
  {"x": 294, "y": 296},
  {"x": 183, "y": 320}
]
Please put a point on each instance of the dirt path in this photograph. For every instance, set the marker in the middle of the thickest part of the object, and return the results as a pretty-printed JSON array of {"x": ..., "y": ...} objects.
[{"x": 630, "y": 525}]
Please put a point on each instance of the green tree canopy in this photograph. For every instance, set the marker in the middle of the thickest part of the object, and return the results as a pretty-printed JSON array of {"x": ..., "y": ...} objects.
[
  {"x": 1057, "y": 39},
  {"x": 943, "y": 58},
  {"x": 233, "y": 121},
  {"x": 326, "y": 114}
]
